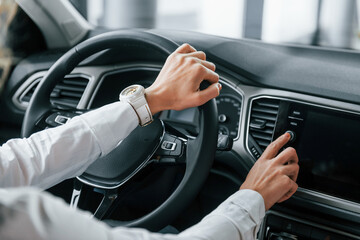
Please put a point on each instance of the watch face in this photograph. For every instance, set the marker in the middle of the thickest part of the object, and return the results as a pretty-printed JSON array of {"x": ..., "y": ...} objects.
[{"x": 131, "y": 90}]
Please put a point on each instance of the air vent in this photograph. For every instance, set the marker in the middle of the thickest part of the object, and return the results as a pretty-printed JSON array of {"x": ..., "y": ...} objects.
[
  {"x": 263, "y": 118},
  {"x": 26, "y": 96},
  {"x": 67, "y": 93}
]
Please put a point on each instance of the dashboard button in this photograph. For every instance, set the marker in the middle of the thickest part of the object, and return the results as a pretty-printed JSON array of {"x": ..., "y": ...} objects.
[
  {"x": 178, "y": 148},
  {"x": 293, "y": 123},
  {"x": 292, "y": 136},
  {"x": 222, "y": 118},
  {"x": 297, "y": 113}
]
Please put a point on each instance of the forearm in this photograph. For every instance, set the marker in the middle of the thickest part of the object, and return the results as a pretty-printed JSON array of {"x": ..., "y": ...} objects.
[
  {"x": 29, "y": 214},
  {"x": 52, "y": 155}
]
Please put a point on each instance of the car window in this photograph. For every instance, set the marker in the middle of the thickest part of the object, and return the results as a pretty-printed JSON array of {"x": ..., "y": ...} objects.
[{"x": 325, "y": 23}]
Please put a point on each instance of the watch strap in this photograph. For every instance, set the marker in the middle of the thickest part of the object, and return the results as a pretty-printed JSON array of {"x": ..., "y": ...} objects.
[
  {"x": 144, "y": 114},
  {"x": 138, "y": 101}
]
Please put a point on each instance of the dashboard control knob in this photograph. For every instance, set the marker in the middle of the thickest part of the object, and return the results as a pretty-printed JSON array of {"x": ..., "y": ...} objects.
[
  {"x": 292, "y": 136},
  {"x": 222, "y": 118}
]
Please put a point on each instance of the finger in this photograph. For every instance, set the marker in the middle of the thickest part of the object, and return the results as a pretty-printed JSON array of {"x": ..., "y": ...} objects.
[
  {"x": 291, "y": 192},
  {"x": 295, "y": 176},
  {"x": 272, "y": 150},
  {"x": 209, "y": 93},
  {"x": 198, "y": 54},
  {"x": 185, "y": 48},
  {"x": 291, "y": 170},
  {"x": 211, "y": 76},
  {"x": 289, "y": 155},
  {"x": 208, "y": 65}
]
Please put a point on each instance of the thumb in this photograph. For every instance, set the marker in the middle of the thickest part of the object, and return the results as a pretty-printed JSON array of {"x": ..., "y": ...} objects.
[{"x": 209, "y": 93}]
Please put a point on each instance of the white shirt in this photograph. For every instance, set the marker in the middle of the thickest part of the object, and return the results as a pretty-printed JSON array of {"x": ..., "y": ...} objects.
[{"x": 48, "y": 157}]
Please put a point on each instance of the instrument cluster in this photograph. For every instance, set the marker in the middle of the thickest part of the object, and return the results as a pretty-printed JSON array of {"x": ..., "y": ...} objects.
[{"x": 229, "y": 104}]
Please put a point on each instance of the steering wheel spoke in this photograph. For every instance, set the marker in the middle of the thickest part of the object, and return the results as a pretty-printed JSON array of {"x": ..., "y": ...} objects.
[{"x": 108, "y": 198}]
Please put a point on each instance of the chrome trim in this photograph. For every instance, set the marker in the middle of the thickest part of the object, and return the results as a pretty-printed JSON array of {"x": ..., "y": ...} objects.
[
  {"x": 306, "y": 222},
  {"x": 328, "y": 199},
  {"x": 75, "y": 196},
  {"x": 25, "y": 88},
  {"x": 141, "y": 166}
]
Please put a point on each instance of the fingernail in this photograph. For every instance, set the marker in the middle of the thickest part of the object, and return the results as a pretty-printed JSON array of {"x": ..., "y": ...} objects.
[
  {"x": 219, "y": 87},
  {"x": 287, "y": 135}
]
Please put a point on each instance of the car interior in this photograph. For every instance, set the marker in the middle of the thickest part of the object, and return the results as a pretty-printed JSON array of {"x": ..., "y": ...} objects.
[{"x": 178, "y": 169}]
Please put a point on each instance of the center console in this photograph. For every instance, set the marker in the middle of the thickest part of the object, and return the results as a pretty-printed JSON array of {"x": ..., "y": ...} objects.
[
  {"x": 327, "y": 142},
  {"x": 328, "y": 145}
]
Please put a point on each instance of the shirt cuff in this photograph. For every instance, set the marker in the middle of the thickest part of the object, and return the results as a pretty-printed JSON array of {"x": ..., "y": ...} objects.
[
  {"x": 111, "y": 124},
  {"x": 251, "y": 201},
  {"x": 245, "y": 209}
]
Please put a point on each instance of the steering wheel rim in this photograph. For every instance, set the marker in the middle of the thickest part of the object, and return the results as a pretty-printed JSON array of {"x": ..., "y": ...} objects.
[{"x": 200, "y": 151}]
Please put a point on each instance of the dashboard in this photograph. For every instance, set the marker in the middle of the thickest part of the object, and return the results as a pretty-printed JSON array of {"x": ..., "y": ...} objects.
[{"x": 325, "y": 129}]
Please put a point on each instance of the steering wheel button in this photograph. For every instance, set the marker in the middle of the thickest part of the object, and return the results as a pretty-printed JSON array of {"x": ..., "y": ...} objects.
[
  {"x": 61, "y": 119},
  {"x": 170, "y": 146},
  {"x": 178, "y": 148}
]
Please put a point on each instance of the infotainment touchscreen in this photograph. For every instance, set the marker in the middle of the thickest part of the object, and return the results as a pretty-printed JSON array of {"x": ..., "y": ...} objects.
[{"x": 328, "y": 146}]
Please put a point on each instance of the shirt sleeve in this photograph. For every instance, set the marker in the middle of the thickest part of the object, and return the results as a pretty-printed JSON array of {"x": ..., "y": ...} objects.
[
  {"x": 27, "y": 213},
  {"x": 238, "y": 217},
  {"x": 50, "y": 156}
]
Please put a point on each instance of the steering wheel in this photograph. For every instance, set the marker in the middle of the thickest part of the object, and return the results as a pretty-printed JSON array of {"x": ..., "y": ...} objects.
[{"x": 125, "y": 161}]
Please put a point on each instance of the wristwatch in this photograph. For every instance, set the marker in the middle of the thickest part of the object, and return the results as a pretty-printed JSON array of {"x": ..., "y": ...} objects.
[{"x": 135, "y": 96}]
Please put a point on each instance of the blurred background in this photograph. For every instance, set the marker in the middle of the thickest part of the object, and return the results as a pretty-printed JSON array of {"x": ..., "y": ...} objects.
[{"x": 330, "y": 23}]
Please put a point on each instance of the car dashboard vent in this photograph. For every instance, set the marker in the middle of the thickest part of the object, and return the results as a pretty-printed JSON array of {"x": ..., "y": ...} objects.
[
  {"x": 263, "y": 118},
  {"x": 67, "y": 93}
]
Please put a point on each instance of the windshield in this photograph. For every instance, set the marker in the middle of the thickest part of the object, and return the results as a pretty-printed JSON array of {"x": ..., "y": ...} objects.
[{"x": 327, "y": 23}]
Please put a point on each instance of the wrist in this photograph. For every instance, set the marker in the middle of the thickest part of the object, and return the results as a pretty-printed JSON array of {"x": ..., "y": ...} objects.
[{"x": 154, "y": 101}]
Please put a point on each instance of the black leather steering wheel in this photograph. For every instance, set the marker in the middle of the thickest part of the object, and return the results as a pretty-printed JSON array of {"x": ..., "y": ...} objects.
[{"x": 108, "y": 174}]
